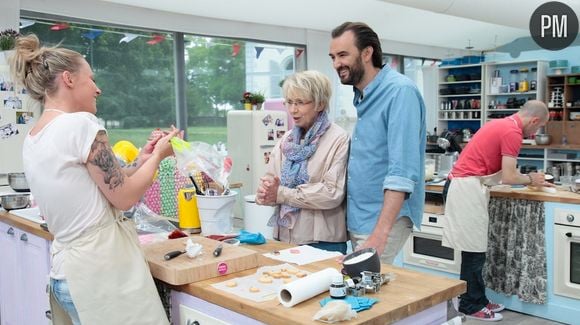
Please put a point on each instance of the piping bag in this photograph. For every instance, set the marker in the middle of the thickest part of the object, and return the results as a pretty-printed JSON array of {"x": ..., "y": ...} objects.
[{"x": 313, "y": 284}]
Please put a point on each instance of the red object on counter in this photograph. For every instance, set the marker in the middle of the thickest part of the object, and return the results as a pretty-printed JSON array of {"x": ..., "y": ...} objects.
[
  {"x": 221, "y": 237},
  {"x": 177, "y": 234}
]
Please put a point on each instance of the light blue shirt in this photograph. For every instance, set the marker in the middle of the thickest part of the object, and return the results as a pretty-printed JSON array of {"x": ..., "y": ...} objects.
[{"x": 387, "y": 150}]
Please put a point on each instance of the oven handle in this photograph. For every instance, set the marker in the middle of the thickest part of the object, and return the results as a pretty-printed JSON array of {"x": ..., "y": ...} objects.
[{"x": 569, "y": 235}]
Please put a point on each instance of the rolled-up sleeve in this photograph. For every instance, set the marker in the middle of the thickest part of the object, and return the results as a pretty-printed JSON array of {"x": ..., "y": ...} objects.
[{"x": 404, "y": 141}]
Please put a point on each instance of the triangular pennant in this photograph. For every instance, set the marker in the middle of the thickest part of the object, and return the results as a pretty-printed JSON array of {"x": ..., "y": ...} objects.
[
  {"x": 280, "y": 50},
  {"x": 298, "y": 52},
  {"x": 235, "y": 49},
  {"x": 128, "y": 38},
  {"x": 59, "y": 26},
  {"x": 156, "y": 39},
  {"x": 92, "y": 34},
  {"x": 26, "y": 23},
  {"x": 259, "y": 50}
]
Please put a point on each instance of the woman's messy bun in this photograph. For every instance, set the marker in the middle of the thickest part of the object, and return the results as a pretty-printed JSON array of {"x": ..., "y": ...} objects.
[{"x": 36, "y": 67}]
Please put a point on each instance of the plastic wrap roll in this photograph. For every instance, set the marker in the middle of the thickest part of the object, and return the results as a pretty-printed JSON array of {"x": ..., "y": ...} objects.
[{"x": 313, "y": 284}]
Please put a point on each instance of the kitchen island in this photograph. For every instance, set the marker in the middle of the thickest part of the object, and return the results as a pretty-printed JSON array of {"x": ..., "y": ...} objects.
[
  {"x": 410, "y": 294},
  {"x": 412, "y": 297}
]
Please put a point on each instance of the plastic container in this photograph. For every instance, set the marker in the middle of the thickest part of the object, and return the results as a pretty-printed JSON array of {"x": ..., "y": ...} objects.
[
  {"x": 513, "y": 86},
  {"x": 256, "y": 216},
  {"x": 523, "y": 85},
  {"x": 533, "y": 79},
  {"x": 215, "y": 213}
]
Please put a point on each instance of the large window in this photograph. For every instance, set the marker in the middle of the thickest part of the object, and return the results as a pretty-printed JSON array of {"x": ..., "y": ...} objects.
[{"x": 135, "y": 70}]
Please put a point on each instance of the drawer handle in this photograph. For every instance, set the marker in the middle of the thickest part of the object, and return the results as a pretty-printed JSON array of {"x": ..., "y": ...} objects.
[
  {"x": 24, "y": 237},
  {"x": 10, "y": 231}
]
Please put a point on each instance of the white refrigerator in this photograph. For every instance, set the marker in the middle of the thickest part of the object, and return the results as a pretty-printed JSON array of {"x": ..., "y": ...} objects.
[
  {"x": 251, "y": 138},
  {"x": 18, "y": 113}
]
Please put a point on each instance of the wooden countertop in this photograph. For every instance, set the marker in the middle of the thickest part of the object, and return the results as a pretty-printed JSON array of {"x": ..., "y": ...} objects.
[
  {"x": 410, "y": 293},
  {"x": 507, "y": 191},
  {"x": 23, "y": 224}
]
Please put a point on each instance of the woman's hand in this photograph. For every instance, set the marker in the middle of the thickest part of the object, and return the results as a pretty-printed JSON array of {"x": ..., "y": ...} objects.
[
  {"x": 161, "y": 145},
  {"x": 267, "y": 193}
]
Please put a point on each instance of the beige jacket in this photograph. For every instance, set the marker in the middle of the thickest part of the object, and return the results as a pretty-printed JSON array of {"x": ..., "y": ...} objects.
[{"x": 323, "y": 208}]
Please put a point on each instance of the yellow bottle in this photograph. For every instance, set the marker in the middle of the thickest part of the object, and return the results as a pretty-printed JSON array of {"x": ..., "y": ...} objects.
[{"x": 187, "y": 211}]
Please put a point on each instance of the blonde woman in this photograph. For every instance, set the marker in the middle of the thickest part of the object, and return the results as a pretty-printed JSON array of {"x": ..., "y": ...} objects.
[
  {"x": 305, "y": 177},
  {"x": 98, "y": 273}
]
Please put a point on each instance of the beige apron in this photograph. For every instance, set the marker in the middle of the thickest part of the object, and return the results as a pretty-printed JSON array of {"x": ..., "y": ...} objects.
[
  {"x": 108, "y": 277},
  {"x": 466, "y": 216}
]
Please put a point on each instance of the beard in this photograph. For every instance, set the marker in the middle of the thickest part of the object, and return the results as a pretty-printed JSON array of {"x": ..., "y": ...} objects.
[{"x": 355, "y": 73}]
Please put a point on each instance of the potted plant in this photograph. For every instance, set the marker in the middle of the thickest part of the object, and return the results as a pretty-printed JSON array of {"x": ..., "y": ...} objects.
[
  {"x": 8, "y": 39},
  {"x": 252, "y": 100},
  {"x": 7, "y": 42}
]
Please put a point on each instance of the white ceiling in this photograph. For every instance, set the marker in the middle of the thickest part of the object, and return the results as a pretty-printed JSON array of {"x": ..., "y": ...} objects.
[{"x": 483, "y": 24}]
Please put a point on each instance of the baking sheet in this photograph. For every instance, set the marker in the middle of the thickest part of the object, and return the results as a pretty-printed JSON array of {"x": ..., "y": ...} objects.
[
  {"x": 302, "y": 255},
  {"x": 268, "y": 291}
]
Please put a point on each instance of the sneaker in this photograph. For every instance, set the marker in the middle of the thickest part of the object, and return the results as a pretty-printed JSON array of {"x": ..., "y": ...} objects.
[
  {"x": 485, "y": 315},
  {"x": 496, "y": 308}
]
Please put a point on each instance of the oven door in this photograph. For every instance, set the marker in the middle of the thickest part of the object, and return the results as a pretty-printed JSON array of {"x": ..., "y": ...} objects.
[
  {"x": 567, "y": 261},
  {"x": 424, "y": 248}
]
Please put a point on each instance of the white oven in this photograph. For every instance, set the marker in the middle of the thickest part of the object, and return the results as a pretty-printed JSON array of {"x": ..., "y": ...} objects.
[
  {"x": 424, "y": 248},
  {"x": 567, "y": 253}
]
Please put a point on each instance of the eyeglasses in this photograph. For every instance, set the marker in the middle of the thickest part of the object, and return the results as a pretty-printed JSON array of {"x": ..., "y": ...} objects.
[{"x": 297, "y": 103}]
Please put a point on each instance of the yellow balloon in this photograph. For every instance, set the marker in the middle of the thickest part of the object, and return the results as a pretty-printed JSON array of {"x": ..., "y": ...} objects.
[{"x": 126, "y": 151}]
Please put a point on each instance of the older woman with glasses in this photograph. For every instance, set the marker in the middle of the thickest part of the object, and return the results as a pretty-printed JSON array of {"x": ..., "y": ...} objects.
[{"x": 305, "y": 178}]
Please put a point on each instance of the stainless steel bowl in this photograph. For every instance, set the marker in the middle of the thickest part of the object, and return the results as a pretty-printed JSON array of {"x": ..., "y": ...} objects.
[
  {"x": 17, "y": 182},
  {"x": 14, "y": 201},
  {"x": 543, "y": 139}
]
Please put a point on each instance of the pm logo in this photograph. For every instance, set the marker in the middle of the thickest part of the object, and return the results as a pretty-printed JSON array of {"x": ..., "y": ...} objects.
[{"x": 554, "y": 26}]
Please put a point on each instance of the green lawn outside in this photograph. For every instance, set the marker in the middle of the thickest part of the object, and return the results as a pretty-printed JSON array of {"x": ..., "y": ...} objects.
[{"x": 138, "y": 136}]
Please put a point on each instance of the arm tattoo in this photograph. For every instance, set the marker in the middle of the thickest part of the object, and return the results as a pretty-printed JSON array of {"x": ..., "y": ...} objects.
[{"x": 103, "y": 157}]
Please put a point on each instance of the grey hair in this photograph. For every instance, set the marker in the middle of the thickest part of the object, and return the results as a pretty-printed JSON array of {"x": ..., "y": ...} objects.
[
  {"x": 535, "y": 108},
  {"x": 312, "y": 84},
  {"x": 36, "y": 68}
]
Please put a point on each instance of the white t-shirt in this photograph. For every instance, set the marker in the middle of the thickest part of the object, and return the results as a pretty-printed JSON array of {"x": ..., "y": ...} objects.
[{"x": 54, "y": 164}]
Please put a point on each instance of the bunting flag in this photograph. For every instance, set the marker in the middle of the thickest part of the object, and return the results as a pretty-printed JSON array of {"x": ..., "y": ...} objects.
[
  {"x": 128, "y": 38},
  {"x": 59, "y": 26},
  {"x": 156, "y": 39},
  {"x": 280, "y": 50},
  {"x": 235, "y": 49},
  {"x": 259, "y": 50},
  {"x": 298, "y": 52},
  {"x": 92, "y": 34},
  {"x": 26, "y": 23}
]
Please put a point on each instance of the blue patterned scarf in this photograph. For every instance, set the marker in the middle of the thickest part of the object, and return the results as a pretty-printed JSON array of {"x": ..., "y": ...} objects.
[{"x": 294, "y": 169}]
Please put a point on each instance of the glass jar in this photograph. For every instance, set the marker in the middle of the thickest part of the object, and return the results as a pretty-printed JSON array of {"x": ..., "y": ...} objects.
[
  {"x": 523, "y": 86},
  {"x": 533, "y": 81},
  {"x": 513, "y": 81}
]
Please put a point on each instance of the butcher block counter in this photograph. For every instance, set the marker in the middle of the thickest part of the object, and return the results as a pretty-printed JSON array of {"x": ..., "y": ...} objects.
[
  {"x": 506, "y": 191},
  {"x": 410, "y": 293}
]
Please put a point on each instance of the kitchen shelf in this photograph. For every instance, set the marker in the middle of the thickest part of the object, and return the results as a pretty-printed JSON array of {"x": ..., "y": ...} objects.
[
  {"x": 514, "y": 94},
  {"x": 529, "y": 158},
  {"x": 503, "y": 110},
  {"x": 571, "y": 94},
  {"x": 462, "y": 95},
  {"x": 459, "y": 82}
]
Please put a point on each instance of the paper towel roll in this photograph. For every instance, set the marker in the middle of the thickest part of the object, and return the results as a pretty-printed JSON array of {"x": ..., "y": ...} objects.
[{"x": 313, "y": 284}]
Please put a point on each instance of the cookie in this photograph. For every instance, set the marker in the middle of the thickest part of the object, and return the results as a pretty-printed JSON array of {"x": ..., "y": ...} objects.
[
  {"x": 231, "y": 284},
  {"x": 277, "y": 275},
  {"x": 254, "y": 289},
  {"x": 292, "y": 271},
  {"x": 300, "y": 274},
  {"x": 265, "y": 279},
  {"x": 285, "y": 275}
]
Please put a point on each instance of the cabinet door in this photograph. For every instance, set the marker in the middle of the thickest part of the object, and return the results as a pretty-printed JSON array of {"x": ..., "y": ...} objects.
[
  {"x": 34, "y": 269},
  {"x": 9, "y": 293}
]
